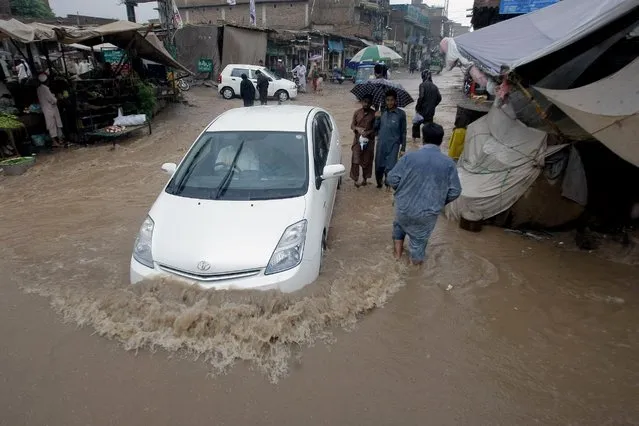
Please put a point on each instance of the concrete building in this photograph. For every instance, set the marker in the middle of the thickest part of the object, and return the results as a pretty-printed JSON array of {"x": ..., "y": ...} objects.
[
  {"x": 359, "y": 18},
  {"x": 486, "y": 12},
  {"x": 410, "y": 31},
  {"x": 457, "y": 29}
]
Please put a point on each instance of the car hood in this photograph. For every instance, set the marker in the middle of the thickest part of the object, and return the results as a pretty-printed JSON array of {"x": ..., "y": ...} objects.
[
  {"x": 285, "y": 82},
  {"x": 229, "y": 235}
]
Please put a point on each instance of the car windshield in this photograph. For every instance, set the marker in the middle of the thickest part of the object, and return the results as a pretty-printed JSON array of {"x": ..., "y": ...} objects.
[
  {"x": 269, "y": 165},
  {"x": 269, "y": 74}
]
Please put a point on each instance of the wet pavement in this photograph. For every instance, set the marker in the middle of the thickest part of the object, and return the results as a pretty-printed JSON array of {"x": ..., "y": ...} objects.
[{"x": 496, "y": 329}]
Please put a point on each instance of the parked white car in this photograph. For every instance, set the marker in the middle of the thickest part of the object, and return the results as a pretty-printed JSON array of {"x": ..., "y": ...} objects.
[
  {"x": 249, "y": 206},
  {"x": 228, "y": 82}
]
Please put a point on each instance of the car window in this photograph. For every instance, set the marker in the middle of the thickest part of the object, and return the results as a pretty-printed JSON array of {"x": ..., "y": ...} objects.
[
  {"x": 321, "y": 143},
  {"x": 271, "y": 165},
  {"x": 329, "y": 124},
  {"x": 237, "y": 72}
]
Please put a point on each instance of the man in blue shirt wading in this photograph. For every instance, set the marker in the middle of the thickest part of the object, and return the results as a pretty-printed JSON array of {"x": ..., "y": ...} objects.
[
  {"x": 424, "y": 181},
  {"x": 391, "y": 137}
]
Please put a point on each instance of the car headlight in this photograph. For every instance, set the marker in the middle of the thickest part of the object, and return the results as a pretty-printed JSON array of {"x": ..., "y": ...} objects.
[
  {"x": 142, "y": 250},
  {"x": 289, "y": 251}
]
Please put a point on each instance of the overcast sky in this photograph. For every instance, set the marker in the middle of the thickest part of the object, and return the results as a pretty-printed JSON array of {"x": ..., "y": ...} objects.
[
  {"x": 102, "y": 8},
  {"x": 144, "y": 12}
]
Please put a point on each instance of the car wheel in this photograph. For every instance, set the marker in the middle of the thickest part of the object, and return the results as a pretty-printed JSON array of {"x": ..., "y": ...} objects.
[
  {"x": 322, "y": 251},
  {"x": 227, "y": 93},
  {"x": 282, "y": 95}
]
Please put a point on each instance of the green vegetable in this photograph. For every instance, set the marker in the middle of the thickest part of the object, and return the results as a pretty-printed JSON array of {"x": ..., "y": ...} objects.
[
  {"x": 18, "y": 160},
  {"x": 9, "y": 121}
]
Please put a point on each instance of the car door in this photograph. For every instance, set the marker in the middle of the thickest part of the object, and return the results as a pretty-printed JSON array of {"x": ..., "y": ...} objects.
[
  {"x": 330, "y": 139},
  {"x": 322, "y": 189},
  {"x": 236, "y": 78}
]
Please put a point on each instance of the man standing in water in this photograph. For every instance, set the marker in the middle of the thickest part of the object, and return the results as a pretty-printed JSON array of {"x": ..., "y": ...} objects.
[
  {"x": 424, "y": 181},
  {"x": 247, "y": 91},
  {"x": 363, "y": 125},
  {"x": 262, "y": 86},
  {"x": 391, "y": 129}
]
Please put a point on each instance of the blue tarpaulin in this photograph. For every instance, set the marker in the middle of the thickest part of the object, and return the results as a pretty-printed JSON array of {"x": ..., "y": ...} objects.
[
  {"x": 335, "y": 46},
  {"x": 515, "y": 7}
]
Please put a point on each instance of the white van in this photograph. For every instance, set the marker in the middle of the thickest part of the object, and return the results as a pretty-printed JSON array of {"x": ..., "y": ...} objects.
[{"x": 231, "y": 77}]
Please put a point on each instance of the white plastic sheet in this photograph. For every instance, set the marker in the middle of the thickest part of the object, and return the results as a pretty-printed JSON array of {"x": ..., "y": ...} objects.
[
  {"x": 129, "y": 120},
  {"x": 608, "y": 109},
  {"x": 502, "y": 158}
]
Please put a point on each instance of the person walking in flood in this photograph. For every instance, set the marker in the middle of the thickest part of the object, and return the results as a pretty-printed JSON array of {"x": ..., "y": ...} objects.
[
  {"x": 391, "y": 141},
  {"x": 429, "y": 98},
  {"x": 247, "y": 91},
  {"x": 424, "y": 182},
  {"x": 363, "y": 148},
  {"x": 262, "y": 86}
]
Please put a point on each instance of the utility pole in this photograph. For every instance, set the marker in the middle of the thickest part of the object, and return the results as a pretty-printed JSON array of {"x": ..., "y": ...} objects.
[{"x": 130, "y": 9}]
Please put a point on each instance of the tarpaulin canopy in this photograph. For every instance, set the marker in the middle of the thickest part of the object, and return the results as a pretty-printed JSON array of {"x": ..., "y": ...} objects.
[
  {"x": 124, "y": 34},
  {"x": 608, "y": 109},
  {"x": 96, "y": 48},
  {"x": 526, "y": 38},
  {"x": 78, "y": 35},
  {"x": 16, "y": 30}
]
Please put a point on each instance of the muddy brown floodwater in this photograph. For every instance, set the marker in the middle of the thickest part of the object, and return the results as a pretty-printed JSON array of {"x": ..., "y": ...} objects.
[{"x": 496, "y": 329}]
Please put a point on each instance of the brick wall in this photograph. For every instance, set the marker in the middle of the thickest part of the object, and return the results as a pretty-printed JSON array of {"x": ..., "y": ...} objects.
[{"x": 272, "y": 15}]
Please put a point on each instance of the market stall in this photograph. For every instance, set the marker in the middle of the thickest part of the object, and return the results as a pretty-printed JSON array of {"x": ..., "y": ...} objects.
[{"x": 94, "y": 73}]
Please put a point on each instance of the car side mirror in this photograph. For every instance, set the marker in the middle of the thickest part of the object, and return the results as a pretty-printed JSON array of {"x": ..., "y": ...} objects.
[
  {"x": 270, "y": 79},
  {"x": 333, "y": 171},
  {"x": 169, "y": 168}
]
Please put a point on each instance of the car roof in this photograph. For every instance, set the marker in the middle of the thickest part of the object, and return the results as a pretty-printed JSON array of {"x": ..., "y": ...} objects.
[
  {"x": 282, "y": 118},
  {"x": 248, "y": 66}
]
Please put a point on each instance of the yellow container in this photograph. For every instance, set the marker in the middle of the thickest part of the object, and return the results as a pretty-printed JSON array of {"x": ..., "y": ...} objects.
[{"x": 456, "y": 143}]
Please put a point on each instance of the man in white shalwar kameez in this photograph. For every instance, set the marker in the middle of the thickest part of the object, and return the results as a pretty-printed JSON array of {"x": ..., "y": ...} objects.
[{"x": 49, "y": 106}]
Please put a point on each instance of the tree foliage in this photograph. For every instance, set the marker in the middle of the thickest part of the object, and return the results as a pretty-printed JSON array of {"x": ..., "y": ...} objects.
[{"x": 31, "y": 9}]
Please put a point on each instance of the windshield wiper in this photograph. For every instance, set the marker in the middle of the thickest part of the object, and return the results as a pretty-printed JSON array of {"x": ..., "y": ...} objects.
[
  {"x": 229, "y": 174},
  {"x": 187, "y": 175}
]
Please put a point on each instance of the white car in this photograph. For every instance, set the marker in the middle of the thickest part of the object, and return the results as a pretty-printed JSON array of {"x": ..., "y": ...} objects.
[
  {"x": 228, "y": 82},
  {"x": 249, "y": 206}
]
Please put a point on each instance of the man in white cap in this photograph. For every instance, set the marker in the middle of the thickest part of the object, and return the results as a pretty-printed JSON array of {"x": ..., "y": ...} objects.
[
  {"x": 280, "y": 69},
  {"x": 49, "y": 106}
]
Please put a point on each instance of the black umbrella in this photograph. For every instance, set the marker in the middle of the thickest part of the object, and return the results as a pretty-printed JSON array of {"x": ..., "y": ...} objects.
[{"x": 377, "y": 89}]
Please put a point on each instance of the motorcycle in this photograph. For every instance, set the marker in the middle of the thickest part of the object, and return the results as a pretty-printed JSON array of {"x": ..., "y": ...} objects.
[{"x": 337, "y": 77}]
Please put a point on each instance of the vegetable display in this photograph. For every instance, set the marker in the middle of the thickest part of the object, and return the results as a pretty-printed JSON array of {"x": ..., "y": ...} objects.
[
  {"x": 9, "y": 121},
  {"x": 114, "y": 129}
]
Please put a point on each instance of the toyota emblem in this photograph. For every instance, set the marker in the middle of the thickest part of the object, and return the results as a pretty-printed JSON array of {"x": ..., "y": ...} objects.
[{"x": 203, "y": 266}]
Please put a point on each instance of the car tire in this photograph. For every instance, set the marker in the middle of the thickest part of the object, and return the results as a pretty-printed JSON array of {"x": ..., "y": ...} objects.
[
  {"x": 227, "y": 93},
  {"x": 282, "y": 95},
  {"x": 322, "y": 250}
]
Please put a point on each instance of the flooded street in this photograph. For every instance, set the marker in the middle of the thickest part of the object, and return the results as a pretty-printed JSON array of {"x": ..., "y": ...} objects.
[{"x": 495, "y": 330}]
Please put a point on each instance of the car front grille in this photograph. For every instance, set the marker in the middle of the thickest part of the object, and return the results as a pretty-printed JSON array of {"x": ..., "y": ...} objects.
[{"x": 211, "y": 277}]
